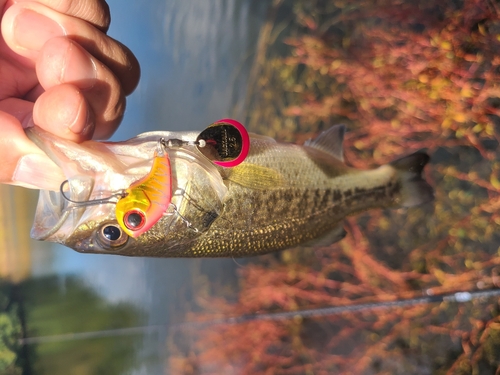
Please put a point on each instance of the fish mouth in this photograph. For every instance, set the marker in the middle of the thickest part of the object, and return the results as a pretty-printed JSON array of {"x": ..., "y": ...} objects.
[
  {"x": 50, "y": 215},
  {"x": 55, "y": 217},
  {"x": 91, "y": 173}
]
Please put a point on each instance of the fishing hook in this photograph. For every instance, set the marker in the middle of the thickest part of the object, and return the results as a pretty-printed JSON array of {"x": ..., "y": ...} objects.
[
  {"x": 120, "y": 194},
  {"x": 186, "y": 221}
]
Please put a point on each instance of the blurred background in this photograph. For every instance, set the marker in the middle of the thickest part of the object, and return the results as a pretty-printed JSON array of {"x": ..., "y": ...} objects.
[{"x": 403, "y": 76}]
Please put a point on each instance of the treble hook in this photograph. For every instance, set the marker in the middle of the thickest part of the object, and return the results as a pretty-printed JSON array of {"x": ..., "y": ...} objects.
[
  {"x": 189, "y": 225},
  {"x": 118, "y": 194}
]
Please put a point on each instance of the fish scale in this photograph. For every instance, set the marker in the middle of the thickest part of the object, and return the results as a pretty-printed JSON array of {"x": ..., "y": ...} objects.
[{"x": 276, "y": 234}]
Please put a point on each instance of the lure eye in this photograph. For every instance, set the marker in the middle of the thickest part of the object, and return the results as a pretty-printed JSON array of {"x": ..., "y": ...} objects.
[
  {"x": 134, "y": 220},
  {"x": 110, "y": 235}
]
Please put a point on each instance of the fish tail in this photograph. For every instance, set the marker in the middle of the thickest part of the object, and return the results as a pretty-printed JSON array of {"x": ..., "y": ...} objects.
[{"x": 414, "y": 189}]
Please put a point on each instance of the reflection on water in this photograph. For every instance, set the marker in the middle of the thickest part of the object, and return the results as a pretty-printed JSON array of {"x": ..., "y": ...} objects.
[
  {"x": 57, "y": 305},
  {"x": 195, "y": 58},
  {"x": 16, "y": 210}
]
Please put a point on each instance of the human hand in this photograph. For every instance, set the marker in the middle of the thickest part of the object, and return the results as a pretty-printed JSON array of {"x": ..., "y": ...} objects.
[{"x": 60, "y": 71}]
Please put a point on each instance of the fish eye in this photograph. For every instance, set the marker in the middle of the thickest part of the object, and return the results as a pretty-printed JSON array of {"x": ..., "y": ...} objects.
[
  {"x": 110, "y": 236},
  {"x": 134, "y": 220}
]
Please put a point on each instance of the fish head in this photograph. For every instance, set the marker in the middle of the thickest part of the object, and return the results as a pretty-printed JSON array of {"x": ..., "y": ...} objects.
[{"x": 80, "y": 211}]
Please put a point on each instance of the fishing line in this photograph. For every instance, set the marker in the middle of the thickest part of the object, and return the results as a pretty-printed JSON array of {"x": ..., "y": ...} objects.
[{"x": 457, "y": 297}]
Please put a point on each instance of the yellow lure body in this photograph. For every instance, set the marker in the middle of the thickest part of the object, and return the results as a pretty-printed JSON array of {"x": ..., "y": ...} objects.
[{"x": 147, "y": 199}]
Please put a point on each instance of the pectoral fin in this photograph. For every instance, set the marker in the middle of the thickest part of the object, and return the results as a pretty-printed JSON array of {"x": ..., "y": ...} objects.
[
  {"x": 335, "y": 235},
  {"x": 255, "y": 177}
]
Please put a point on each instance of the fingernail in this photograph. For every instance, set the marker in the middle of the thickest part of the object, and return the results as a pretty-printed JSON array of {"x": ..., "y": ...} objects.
[
  {"x": 88, "y": 130},
  {"x": 37, "y": 172},
  {"x": 28, "y": 122},
  {"x": 84, "y": 128},
  {"x": 78, "y": 68},
  {"x": 32, "y": 29}
]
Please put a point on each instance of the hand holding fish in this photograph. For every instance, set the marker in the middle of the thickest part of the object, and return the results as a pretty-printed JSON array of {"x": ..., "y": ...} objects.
[{"x": 59, "y": 70}]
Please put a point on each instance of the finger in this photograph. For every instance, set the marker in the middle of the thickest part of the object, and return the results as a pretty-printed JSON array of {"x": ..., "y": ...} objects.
[
  {"x": 63, "y": 110},
  {"x": 95, "y": 12},
  {"x": 63, "y": 61},
  {"x": 13, "y": 142},
  {"x": 23, "y": 163},
  {"x": 19, "y": 108},
  {"x": 27, "y": 27},
  {"x": 53, "y": 111}
]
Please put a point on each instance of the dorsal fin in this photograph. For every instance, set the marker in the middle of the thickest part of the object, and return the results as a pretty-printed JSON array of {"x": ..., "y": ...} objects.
[
  {"x": 260, "y": 137},
  {"x": 330, "y": 141}
]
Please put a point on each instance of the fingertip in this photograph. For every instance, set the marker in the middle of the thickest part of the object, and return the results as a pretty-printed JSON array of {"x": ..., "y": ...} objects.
[
  {"x": 63, "y": 110},
  {"x": 23, "y": 163}
]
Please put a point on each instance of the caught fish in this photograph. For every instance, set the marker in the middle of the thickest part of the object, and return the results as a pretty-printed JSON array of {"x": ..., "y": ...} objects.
[{"x": 201, "y": 203}]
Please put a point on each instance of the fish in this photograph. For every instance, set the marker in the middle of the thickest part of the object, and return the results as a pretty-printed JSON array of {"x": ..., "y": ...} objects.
[{"x": 281, "y": 196}]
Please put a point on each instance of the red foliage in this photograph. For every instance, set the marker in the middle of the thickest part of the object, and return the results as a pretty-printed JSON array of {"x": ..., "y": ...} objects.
[{"x": 404, "y": 76}]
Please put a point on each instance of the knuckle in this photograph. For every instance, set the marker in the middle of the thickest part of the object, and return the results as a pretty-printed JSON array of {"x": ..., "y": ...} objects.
[
  {"x": 115, "y": 112},
  {"x": 95, "y": 12},
  {"x": 101, "y": 14}
]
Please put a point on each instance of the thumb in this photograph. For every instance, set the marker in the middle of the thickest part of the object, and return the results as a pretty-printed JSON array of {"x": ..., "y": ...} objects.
[{"x": 23, "y": 163}]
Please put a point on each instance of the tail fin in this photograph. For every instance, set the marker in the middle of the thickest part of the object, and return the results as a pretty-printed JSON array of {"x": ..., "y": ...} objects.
[{"x": 415, "y": 190}]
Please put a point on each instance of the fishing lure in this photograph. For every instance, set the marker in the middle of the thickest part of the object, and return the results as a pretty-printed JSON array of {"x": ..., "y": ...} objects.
[{"x": 147, "y": 199}]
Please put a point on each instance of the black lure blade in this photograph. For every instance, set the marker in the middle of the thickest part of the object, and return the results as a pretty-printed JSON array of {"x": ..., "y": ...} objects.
[{"x": 225, "y": 142}]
